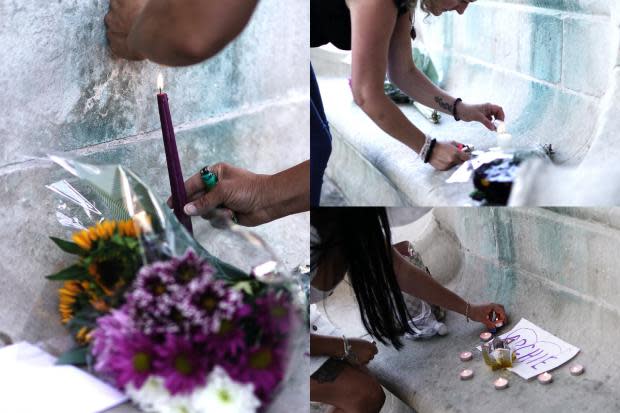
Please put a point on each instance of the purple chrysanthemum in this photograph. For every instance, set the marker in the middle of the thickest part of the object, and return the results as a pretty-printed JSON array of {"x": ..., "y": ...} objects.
[
  {"x": 110, "y": 328},
  {"x": 228, "y": 342},
  {"x": 122, "y": 352},
  {"x": 262, "y": 366},
  {"x": 208, "y": 302},
  {"x": 189, "y": 267},
  {"x": 156, "y": 302},
  {"x": 182, "y": 366},
  {"x": 274, "y": 311}
]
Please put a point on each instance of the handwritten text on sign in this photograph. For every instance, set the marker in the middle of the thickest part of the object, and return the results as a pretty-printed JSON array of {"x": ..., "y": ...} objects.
[{"x": 537, "y": 350}]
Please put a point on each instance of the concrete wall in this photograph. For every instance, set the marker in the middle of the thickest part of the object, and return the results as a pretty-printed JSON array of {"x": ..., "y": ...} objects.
[
  {"x": 62, "y": 89},
  {"x": 549, "y": 63},
  {"x": 553, "y": 65}
]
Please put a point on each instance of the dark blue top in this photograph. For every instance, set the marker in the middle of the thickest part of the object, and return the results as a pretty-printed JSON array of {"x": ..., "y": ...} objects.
[{"x": 330, "y": 22}]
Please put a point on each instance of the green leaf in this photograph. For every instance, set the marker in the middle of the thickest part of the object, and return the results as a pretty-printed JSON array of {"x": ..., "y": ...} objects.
[
  {"x": 131, "y": 242},
  {"x": 74, "y": 272},
  {"x": 244, "y": 286},
  {"x": 75, "y": 357},
  {"x": 77, "y": 322},
  {"x": 67, "y": 246}
]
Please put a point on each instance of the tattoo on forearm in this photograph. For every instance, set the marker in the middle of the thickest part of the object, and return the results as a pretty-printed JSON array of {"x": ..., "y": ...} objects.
[
  {"x": 329, "y": 371},
  {"x": 442, "y": 104}
]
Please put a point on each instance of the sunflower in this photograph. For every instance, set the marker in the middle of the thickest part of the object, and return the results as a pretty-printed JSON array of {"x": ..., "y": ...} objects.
[
  {"x": 110, "y": 256},
  {"x": 128, "y": 229},
  {"x": 111, "y": 270},
  {"x": 83, "y": 336},
  {"x": 68, "y": 298},
  {"x": 87, "y": 238}
]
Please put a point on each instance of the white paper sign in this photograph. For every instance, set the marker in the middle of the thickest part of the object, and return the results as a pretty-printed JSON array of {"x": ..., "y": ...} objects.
[
  {"x": 537, "y": 350},
  {"x": 31, "y": 383},
  {"x": 466, "y": 170}
]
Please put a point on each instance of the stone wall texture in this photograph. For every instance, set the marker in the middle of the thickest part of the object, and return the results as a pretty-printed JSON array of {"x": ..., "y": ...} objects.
[{"x": 551, "y": 64}]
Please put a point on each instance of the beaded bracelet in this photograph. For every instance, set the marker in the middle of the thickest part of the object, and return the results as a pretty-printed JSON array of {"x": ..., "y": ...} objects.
[{"x": 456, "y": 118}]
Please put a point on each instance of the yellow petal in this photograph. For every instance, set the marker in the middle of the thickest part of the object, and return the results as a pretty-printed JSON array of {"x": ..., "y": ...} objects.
[
  {"x": 92, "y": 233},
  {"x": 109, "y": 228},
  {"x": 82, "y": 240}
]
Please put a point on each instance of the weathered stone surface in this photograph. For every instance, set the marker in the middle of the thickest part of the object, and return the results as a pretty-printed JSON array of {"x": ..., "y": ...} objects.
[
  {"x": 506, "y": 36},
  {"x": 64, "y": 90},
  {"x": 590, "y": 42}
]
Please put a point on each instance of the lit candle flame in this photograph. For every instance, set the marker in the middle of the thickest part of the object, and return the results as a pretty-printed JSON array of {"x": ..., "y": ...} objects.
[{"x": 160, "y": 82}]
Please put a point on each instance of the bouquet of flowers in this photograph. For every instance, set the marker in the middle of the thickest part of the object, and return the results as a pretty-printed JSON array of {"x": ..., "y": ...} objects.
[{"x": 153, "y": 312}]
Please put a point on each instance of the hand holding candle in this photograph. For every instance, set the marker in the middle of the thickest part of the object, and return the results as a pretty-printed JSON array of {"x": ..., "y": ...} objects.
[
  {"x": 177, "y": 186},
  {"x": 491, "y": 315},
  {"x": 504, "y": 139}
]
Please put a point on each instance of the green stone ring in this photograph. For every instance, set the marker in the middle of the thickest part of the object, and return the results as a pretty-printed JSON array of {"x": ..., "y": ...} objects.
[{"x": 208, "y": 178}]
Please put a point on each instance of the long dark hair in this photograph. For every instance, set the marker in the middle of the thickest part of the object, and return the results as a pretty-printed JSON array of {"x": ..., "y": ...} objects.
[{"x": 362, "y": 235}]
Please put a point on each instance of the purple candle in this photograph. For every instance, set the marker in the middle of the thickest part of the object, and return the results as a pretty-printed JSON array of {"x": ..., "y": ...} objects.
[{"x": 177, "y": 186}]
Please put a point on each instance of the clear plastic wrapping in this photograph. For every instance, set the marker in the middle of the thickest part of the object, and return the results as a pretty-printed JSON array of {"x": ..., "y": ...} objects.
[{"x": 240, "y": 314}]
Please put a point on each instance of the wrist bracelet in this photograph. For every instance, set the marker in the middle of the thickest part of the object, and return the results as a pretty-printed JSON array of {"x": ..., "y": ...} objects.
[
  {"x": 347, "y": 348},
  {"x": 467, "y": 311},
  {"x": 429, "y": 153},
  {"x": 456, "y": 118},
  {"x": 425, "y": 147}
]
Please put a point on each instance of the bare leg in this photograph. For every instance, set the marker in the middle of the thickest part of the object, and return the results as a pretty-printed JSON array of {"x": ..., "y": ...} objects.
[{"x": 351, "y": 391}]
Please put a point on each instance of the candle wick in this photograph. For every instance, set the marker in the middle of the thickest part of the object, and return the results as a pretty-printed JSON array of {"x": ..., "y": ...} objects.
[{"x": 160, "y": 91}]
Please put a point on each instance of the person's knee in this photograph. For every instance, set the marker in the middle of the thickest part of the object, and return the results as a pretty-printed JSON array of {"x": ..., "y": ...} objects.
[{"x": 369, "y": 399}]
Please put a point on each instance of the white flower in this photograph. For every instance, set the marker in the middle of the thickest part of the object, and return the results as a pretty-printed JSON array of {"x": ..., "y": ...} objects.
[
  {"x": 224, "y": 395},
  {"x": 151, "y": 396},
  {"x": 176, "y": 404}
]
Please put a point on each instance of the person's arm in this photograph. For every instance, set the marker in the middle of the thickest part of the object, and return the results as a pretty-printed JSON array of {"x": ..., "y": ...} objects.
[
  {"x": 361, "y": 352},
  {"x": 254, "y": 198},
  {"x": 175, "y": 32},
  {"x": 416, "y": 282},
  {"x": 372, "y": 26},
  {"x": 326, "y": 346},
  {"x": 403, "y": 72},
  {"x": 291, "y": 190}
]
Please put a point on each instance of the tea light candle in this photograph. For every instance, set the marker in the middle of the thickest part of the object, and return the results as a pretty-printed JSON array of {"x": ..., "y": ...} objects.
[
  {"x": 501, "y": 126},
  {"x": 545, "y": 378},
  {"x": 576, "y": 369},
  {"x": 466, "y": 374},
  {"x": 500, "y": 383},
  {"x": 504, "y": 140},
  {"x": 485, "y": 336},
  {"x": 466, "y": 356},
  {"x": 499, "y": 324}
]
